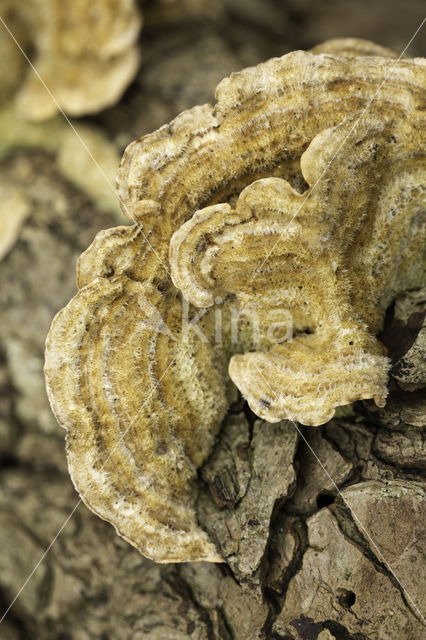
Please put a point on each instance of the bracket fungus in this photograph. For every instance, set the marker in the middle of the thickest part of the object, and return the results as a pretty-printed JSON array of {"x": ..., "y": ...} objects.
[
  {"x": 332, "y": 256},
  {"x": 300, "y": 190},
  {"x": 85, "y": 52}
]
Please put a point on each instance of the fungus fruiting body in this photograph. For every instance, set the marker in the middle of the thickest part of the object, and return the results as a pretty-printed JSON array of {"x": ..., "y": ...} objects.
[
  {"x": 298, "y": 193},
  {"x": 85, "y": 53}
]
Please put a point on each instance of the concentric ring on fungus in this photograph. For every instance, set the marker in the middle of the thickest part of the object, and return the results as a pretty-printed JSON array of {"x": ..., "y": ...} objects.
[{"x": 221, "y": 187}]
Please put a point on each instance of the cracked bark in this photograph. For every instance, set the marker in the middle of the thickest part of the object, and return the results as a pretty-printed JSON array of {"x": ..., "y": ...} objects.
[{"x": 298, "y": 565}]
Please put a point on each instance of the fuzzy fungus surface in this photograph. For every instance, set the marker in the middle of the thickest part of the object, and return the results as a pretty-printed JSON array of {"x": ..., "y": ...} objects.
[
  {"x": 84, "y": 50},
  {"x": 298, "y": 192}
]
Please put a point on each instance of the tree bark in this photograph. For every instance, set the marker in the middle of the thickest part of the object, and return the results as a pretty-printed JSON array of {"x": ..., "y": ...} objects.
[{"x": 320, "y": 528}]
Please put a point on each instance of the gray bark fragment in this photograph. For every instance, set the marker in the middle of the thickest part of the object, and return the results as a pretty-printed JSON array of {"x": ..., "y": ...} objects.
[
  {"x": 247, "y": 475},
  {"x": 337, "y": 583}
]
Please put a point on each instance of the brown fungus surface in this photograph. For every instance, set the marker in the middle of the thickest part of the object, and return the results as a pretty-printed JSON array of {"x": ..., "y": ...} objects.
[
  {"x": 268, "y": 221},
  {"x": 84, "y": 50},
  {"x": 333, "y": 257}
]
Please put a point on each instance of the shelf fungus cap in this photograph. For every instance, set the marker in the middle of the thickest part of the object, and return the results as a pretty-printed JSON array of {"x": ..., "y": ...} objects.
[
  {"x": 309, "y": 254},
  {"x": 85, "y": 53},
  {"x": 331, "y": 256},
  {"x": 137, "y": 407},
  {"x": 287, "y": 201}
]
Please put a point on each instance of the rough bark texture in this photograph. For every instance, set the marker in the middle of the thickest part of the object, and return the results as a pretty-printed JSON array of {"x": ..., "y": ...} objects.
[{"x": 321, "y": 528}]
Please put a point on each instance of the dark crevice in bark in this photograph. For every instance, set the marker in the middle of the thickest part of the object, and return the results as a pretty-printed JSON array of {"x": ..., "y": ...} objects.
[
  {"x": 19, "y": 622},
  {"x": 226, "y": 631},
  {"x": 399, "y": 470},
  {"x": 340, "y": 632},
  {"x": 350, "y": 529},
  {"x": 181, "y": 587},
  {"x": 274, "y": 597}
]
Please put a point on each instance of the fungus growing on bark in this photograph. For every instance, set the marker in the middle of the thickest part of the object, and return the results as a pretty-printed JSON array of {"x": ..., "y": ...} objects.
[
  {"x": 333, "y": 256},
  {"x": 84, "y": 51},
  {"x": 140, "y": 389}
]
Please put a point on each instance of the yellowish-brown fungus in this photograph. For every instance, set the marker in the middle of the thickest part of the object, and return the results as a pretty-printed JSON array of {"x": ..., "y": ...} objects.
[
  {"x": 141, "y": 393},
  {"x": 333, "y": 257},
  {"x": 84, "y": 50}
]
